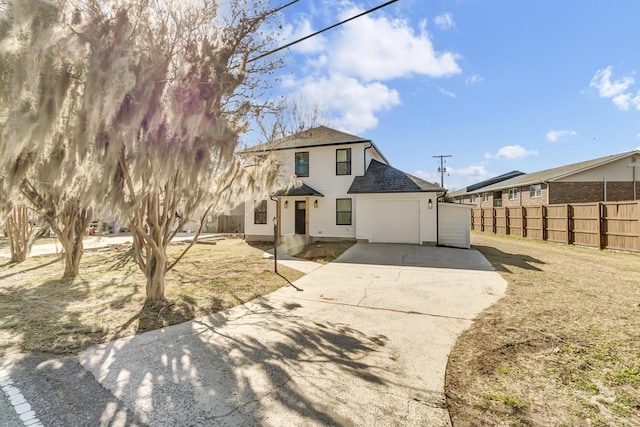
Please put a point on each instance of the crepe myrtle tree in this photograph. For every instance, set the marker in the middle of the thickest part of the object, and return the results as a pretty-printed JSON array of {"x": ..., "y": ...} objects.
[
  {"x": 175, "y": 89},
  {"x": 133, "y": 107},
  {"x": 41, "y": 88}
]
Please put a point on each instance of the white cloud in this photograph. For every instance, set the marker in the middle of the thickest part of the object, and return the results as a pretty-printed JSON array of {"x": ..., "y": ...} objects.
[
  {"x": 355, "y": 102},
  {"x": 511, "y": 152},
  {"x": 380, "y": 48},
  {"x": 347, "y": 72},
  {"x": 428, "y": 176},
  {"x": 559, "y": 135},
  {"x": 444, "y": 21},
  {"x": 615, "y": 90},
  {"x": 447, "y": 93},
  {"x": 299, "y": 29},
  {"x": 475, "y": 78}
]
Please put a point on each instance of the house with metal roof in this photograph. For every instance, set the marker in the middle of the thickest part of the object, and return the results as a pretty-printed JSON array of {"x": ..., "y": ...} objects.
[
  {"x": 610, "y": 178},
  {"x": 347, "y": 190}
]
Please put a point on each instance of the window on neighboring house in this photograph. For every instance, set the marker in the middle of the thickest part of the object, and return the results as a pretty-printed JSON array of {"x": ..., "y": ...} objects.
[
  {"x": 535, "y": 191},
  {"x": 459, "y": 199},
  {"x": 513, "y": 193},
  {"x": 485, "y": 197},
  {"x": 472, "y": 198},
  {"x": 343, "y": 161},
  {"x": 260, "y": 212},
  {"x": 343, "y": 211},
  {"x": 302, "y": 164}
]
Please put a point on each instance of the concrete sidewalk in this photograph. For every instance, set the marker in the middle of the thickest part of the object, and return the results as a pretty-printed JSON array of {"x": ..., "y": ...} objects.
[
  {"x": 364, "y": 344},
  {"x": 98, "y": 242}
]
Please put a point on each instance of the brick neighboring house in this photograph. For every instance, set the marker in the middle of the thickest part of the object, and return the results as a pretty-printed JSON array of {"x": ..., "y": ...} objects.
[{"x": 610, "y": 178}]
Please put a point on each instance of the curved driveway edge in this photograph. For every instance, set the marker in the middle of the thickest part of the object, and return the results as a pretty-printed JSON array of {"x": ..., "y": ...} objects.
[{"x": 365, "y": 343}]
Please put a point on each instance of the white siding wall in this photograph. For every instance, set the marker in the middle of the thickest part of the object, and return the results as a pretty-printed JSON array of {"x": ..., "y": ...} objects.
[
  {"x": 322, "y": 177},
  {"x": 372, "y": 212},
  {"x": 252, "y": 229},
  {"x": 454, "y": 225}
]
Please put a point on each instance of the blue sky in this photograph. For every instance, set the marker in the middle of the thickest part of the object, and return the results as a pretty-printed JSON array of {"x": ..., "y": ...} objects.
[{"x": 499, "y": 85}]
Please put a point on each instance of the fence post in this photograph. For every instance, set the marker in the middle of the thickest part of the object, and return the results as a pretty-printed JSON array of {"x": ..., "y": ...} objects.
[
  {"x": 638, "y": 217},
  {"x": 493, "y": 217},
  {"x": 568, "y": 223},
  {"x": 522, "y": 222},
  {"x": 507, "y": 226},
  {"x": 599, "y": 225},
  {"x": 543, "y": 221}
]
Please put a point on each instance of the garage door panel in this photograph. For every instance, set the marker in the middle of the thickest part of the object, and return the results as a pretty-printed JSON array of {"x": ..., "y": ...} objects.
[{"x": 396, "y": 221}]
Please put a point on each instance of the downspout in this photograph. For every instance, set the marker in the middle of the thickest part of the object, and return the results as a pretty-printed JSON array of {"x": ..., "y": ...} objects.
[
  {"x": 364, "y": 159},
  {"x": 438, "y": 217},
  {"x": 548, "y": 191}
]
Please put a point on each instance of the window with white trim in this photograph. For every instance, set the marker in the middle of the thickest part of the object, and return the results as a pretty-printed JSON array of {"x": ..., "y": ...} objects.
[
  {"x": 485, "y": 197},
  {"x": 472, "y": 198},
  {"x": 535, "y": 191},
  {"x": 513, "y": 193}
]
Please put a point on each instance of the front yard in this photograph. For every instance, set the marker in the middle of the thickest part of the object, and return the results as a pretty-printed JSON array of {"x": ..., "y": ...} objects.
[
  {"x": 562, "y": 348},
  {"x": 40, "y": 312}
]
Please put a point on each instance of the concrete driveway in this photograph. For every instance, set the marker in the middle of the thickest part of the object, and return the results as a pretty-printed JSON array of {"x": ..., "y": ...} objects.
[{"x": 364, "y": 343}]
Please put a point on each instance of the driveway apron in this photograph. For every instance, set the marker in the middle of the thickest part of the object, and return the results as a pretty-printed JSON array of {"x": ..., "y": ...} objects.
[{"x": 364, "y": 342}]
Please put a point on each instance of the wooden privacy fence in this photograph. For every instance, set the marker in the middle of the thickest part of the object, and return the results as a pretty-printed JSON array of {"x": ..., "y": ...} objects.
[{"x": 604, "y": 225}]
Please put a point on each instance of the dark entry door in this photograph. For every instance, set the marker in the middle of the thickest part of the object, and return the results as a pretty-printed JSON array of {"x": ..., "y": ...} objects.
[{"x": 301, "y": 214}]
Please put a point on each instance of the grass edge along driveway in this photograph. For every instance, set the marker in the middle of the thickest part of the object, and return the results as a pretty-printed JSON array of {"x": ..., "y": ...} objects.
[{"x": 561, "y": 348}]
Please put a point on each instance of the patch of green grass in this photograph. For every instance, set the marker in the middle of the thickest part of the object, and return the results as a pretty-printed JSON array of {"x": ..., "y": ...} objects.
[
  {"x": 507, "y": 399},
  {"x": 503, "y": 370},
  {"x": 625, "y": 375}
]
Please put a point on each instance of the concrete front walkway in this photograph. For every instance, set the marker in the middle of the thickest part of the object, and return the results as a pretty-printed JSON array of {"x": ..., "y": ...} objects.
[{"x": 364, "y": 343}]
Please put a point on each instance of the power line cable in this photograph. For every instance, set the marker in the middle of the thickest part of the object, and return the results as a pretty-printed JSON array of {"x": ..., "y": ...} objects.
[
  {"x": 283, "y": 6},
  {"x": 321, "y": 31}
]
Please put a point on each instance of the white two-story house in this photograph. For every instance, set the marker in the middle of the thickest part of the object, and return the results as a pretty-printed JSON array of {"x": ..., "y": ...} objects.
[{"x": 348, "y": 191}]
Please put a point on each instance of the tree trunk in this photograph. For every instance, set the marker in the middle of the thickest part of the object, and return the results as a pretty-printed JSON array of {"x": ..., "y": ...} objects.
[
  {"x": 19, "y": 232},
  {"x": 155, "y": 272},
  {"x": 71, "y": 235}
]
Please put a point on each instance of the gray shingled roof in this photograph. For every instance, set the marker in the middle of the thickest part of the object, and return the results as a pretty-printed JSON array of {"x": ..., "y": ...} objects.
[
  {"x": 303, "y": 190},
  {"x": 382, "y": 178},
  {"x": 316, "y": 137},
  {"x": 550, "y": 175}
]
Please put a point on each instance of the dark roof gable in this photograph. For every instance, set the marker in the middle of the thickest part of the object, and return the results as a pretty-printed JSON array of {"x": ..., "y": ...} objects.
[{"x": 382, "y": 178}]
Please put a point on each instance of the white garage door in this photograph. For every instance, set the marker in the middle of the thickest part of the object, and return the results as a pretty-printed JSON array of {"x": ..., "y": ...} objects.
[{"x": 395, "y": 221}]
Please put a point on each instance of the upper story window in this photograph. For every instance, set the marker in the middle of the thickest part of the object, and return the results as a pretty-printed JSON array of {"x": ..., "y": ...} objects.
[
  {"x": 260, "y": 212},
  {"x": 485, "y": 197},
  {"x": 302, "y": 164},
  {"x": 343, "y": 161},
  {"x": 513, "y": 193},
  {"x": 535, "y": 191},
  {"x": 472, "y": 198}
]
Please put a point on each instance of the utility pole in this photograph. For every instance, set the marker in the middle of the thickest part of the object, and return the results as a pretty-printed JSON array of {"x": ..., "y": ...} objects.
[{"x": 442, "y": 169}]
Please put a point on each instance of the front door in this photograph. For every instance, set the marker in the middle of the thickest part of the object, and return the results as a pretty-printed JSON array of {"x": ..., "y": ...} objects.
[{"x": 301, "y": 217}]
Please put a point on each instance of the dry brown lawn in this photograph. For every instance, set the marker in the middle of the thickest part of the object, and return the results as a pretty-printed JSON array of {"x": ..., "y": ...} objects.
[
  {"x": 562, "y": 348},
  {"x": 40, "y": 312}
]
